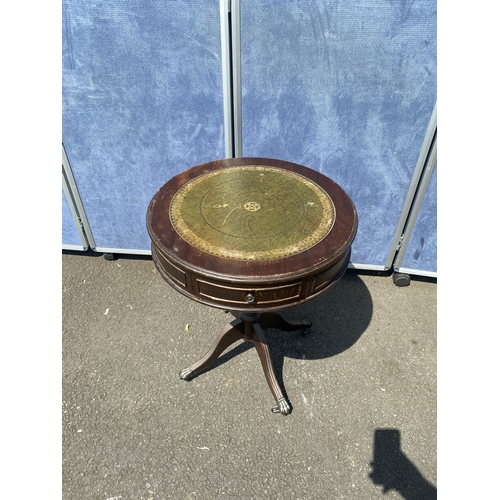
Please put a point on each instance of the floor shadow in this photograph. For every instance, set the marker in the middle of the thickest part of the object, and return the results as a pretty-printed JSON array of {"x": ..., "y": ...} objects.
[
  {"x": 339, "y": 317},
  {"x": 392, "y": 469}
]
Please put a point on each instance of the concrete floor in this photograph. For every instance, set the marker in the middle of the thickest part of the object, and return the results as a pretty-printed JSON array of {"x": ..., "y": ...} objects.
[{"x": 362, "y": 385}]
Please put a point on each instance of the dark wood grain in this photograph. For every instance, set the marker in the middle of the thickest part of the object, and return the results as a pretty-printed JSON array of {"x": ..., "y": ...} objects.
[{"x": 231, "y": 283}]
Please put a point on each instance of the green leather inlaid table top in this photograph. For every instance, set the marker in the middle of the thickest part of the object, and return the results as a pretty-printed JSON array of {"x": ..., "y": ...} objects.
[{"x": 252, "y": 212}]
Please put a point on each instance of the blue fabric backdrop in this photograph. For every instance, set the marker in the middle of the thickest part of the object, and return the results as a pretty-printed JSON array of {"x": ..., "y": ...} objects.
[
  {"x": 346, "y": 88},
  {"x": 142, "y": 101}
]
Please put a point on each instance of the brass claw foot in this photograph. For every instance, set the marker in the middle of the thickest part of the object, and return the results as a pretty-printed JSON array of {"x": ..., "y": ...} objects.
[
  {"x": 282, "y": 407},
  {"x": 186, "y": 374}
]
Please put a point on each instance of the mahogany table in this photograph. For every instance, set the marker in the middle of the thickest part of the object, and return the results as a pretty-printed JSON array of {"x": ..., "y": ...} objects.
[{"x": 253, "y": 236}]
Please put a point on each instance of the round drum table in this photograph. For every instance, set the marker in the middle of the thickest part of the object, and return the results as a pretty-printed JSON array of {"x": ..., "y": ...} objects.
[{"x": 253, "y": 236}]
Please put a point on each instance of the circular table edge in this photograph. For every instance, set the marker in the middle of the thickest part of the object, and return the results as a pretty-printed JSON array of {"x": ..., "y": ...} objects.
[{"x": 253, "y": 271}]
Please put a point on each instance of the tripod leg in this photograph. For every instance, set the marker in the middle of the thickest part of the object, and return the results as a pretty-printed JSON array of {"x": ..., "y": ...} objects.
[
  {"x": 229, "y": 335},
  {"x": 260, "y": 343}
]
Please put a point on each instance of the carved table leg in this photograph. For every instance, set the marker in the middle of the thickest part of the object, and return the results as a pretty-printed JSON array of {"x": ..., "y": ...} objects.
[
  {"x": 260, "y": 343},
  {"x": 229, "y": 335},
  {"x": 249, "y": 327}
]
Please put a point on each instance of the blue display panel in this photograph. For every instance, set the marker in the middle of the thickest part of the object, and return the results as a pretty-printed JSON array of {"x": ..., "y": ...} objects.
[
  {"x": 421, "y": 254},
  {"x": 346, "y": 88},
  {"x": 142, "y": 101},
  {"x": 70, "y": 236}
]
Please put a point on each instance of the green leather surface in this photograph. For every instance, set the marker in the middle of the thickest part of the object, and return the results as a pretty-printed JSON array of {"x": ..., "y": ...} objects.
[{"x": 252, "y": 213}]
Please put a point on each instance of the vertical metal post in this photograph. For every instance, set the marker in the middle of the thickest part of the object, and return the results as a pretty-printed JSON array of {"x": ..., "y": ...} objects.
[
  {"x": 231, "y": 75},
  {"x": 225, "y": 7},
  {"x": 236, "y": 77}
]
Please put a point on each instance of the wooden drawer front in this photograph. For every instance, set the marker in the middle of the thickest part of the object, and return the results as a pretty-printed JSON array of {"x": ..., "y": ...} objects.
[
  {"x": 326, "y": 277},
  {"x": 272, "y": 296},
  {"x": 173, "y": 272}
]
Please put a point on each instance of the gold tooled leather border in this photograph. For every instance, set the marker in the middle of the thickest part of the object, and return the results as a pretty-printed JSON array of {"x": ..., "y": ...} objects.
[{"x": 324, "y": 227}]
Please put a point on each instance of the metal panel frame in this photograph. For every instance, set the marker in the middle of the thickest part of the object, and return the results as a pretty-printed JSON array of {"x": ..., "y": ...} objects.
[
  {"x": 366, "y": 267},
  {"x": 415, "y": 194},
  {"x": 231, "y": 75},
  {"x": 75, "y": 206},
  {"x": 123, "y": 251},
  {"x": 415, "y": 209},
  {"x": 227, "y": 84},
  {"x": 417, "y": 272},
  {"x": 84, "y": 244},
  {"x": 236, "y": 80}
]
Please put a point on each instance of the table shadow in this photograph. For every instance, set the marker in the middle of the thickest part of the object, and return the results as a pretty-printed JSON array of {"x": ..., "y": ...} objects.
[{"x": 339, "y": 317}]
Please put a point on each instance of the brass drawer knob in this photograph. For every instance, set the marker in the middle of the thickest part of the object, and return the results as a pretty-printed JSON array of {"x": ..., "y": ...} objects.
[{"x": 250, "y": 298}]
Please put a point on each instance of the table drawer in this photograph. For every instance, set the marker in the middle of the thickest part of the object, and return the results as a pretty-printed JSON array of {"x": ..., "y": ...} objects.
[{"x": 249, "y": 297}]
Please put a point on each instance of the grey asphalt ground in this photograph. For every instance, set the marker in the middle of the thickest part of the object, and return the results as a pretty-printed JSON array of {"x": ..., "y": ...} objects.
[{"x": 362, "y": 385}]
